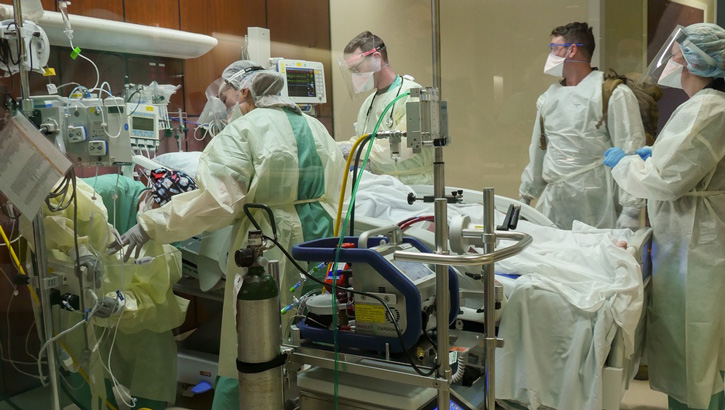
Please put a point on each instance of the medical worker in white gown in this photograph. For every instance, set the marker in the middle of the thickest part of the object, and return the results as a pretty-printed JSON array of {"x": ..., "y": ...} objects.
[
  {"x": 366, "y": 65},
  {"x": 270, "y": 153},
  {"x": 684, "y": 183},
  {"x": 565, "y": 170}
]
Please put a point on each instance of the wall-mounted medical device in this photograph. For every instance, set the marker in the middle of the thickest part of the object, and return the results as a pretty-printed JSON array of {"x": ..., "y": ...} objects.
[
  {"x": 304, "y": 81},
  {"x": 37, "y": 47},
  {"x": 91, "y": 131},
  {"x": 144, "y": 123}
]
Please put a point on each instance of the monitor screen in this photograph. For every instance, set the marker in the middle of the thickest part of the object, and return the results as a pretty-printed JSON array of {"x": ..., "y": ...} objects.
[
  {"x": 415, "y": 271},
  {"x": 143, "y": 123},
  {"x": 301, "y": 82},
  {"x": 115, "y": 109}
]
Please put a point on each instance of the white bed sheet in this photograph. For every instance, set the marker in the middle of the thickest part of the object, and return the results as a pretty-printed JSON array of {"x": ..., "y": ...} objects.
[{"x": 576, "y": 289}]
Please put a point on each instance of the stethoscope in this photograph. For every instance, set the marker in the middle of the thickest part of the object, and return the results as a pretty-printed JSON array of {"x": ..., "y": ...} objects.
[{"x": 389, "y": 121}]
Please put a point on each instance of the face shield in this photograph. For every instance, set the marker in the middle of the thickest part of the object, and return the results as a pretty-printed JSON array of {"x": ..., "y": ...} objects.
[
  {"x": 670, "y": 51},
  {"x": 358, "y": 70},
  {"x": 214, "y": 115}
]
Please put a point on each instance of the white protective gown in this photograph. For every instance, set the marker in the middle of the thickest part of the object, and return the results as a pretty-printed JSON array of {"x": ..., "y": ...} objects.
[
  {"x": 263, "y": 157},
  {"x": 684, "y": 182},
  {"x": 569, "y": 177},
  {"x": 410, "y": 168}
]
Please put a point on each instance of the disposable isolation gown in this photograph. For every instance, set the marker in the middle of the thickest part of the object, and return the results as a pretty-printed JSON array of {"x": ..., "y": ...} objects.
[
  {"x": 270, "y": 156},
  {"x": 569, "y": 177},
  {"x": 144, "y": 353},
  {"x": 410, "y": 168},
  {"x": 684, "y": 182}
]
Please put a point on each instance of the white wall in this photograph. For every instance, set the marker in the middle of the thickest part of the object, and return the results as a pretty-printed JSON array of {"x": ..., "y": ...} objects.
[
  {"x": 404, "y": 25},
  {"x": 493, "y": 54}
]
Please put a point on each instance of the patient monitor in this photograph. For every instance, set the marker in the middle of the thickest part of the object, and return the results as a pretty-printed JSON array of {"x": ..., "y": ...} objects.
[{"x": 304, "y": 81}]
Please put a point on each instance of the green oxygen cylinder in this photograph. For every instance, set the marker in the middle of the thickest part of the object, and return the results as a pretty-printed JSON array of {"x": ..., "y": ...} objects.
[{"x": 259, "y": 336}]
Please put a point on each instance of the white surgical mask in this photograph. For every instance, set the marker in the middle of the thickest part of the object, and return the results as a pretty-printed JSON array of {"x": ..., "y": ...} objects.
[
  {"x": 554, "y": 65},
  {"x": 672, "y": 75},
  {"x": 362, "y": 82}
]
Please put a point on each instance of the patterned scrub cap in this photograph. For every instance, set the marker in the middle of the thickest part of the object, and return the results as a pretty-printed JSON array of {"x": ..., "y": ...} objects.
[{"x": 166, "y": 183}]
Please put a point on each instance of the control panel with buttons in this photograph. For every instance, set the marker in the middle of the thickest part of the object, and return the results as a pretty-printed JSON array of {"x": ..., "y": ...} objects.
[{"x": 91, "y": 131}]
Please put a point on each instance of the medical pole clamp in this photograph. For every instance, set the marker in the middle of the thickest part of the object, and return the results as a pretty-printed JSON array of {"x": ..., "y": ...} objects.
[{"x": 456, "y": 197}]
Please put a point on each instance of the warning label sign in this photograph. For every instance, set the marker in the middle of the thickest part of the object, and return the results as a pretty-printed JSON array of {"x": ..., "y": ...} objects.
[{"x": 369, "y": 313}]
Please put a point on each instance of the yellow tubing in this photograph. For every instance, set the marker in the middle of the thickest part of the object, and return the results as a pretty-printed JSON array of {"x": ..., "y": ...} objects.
[
  {"x": 17, "y": 263},
  {"x": 35, "y": 297},
  {"x": 344, "y": 182}
]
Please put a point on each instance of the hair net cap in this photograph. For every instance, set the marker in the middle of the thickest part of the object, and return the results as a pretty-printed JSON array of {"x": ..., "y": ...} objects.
[
  {"x": 266, "y": 86},
  {"x": 704, "y": 50},
  {"x": 240, "y": 72}
]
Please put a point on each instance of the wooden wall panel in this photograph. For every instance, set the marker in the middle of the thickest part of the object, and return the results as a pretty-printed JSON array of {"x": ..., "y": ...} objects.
[
  {"x": 227, "y": 21},
  {"x": 301, "y": 30},
  {"x": 144, "y": 70},
  {"x": 102, "y": 9},
  {"x": 48, "y": 5},
  {"x": 158, "y": 13},
  {"x": 111, "y": 68}
]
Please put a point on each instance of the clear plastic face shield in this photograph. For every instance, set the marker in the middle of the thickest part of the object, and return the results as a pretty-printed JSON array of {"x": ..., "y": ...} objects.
[
  {"x": 667, "y": 58},
  {"x": 231, "y": 91},
  {"x": 358, "y": 70},
  {"x": 214, "y": 115}
]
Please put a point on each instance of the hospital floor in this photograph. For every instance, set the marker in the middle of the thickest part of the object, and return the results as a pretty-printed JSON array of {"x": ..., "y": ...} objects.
[{"x": 638, "y": 397}]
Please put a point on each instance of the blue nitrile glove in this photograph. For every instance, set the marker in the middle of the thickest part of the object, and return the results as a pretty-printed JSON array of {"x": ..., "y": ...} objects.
[
  {"x": 644, "y": 153},
  {"x": 612, "y": 156}
]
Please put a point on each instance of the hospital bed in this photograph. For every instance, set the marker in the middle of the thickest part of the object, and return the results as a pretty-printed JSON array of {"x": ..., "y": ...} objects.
[
  {"x": 617, "y": 370},
  {"x": 381, "y": 201}
]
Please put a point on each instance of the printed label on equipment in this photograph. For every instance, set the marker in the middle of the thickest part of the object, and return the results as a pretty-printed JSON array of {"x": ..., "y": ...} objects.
[
  {"x": 370, "y": 313},
  {"x": 452, "y": 357}
]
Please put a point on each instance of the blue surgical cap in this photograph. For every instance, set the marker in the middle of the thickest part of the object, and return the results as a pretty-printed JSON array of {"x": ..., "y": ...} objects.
[{"x": 704, "y": 50}]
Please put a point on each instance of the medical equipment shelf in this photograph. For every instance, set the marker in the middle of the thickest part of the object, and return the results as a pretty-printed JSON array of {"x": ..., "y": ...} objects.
[{"x": 362, "y": 365}]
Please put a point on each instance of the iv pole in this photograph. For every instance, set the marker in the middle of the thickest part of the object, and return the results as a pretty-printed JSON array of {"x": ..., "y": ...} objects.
[{"x": 38, "y": 228}]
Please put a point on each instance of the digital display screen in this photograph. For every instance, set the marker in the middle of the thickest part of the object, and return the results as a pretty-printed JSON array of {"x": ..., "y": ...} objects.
[
  {"x": 115, "y": 109},
  {"x": 301, "y": 82},
  {"x": 143, "y": 124},
  {"x": 415, "y": 271}
]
